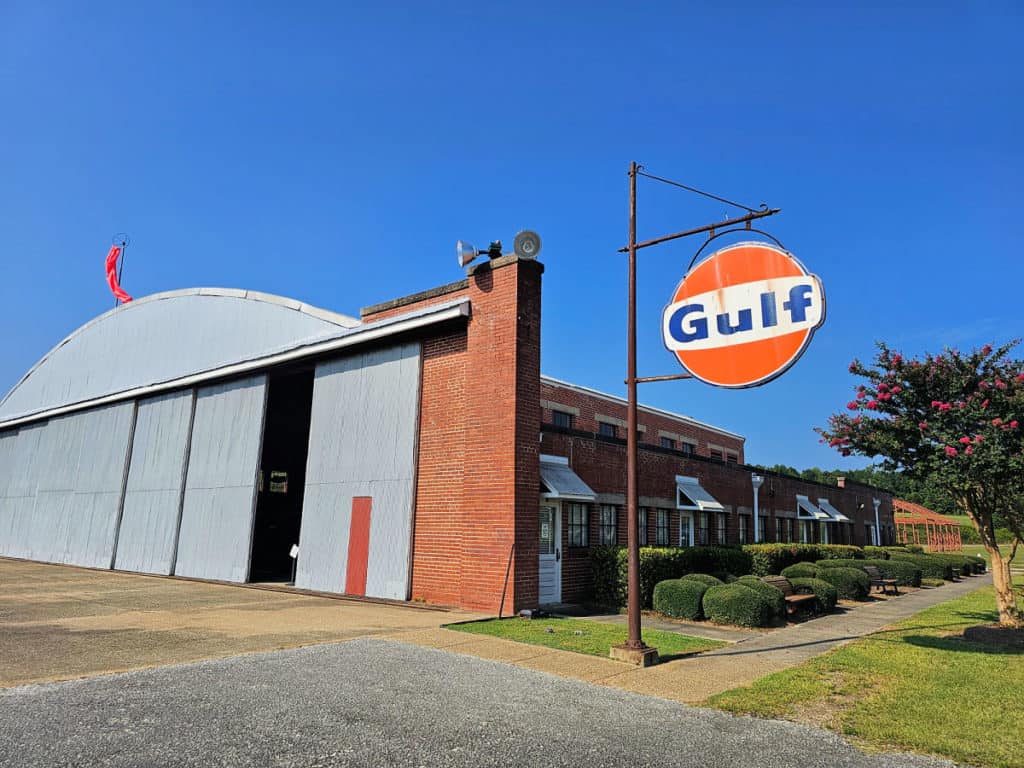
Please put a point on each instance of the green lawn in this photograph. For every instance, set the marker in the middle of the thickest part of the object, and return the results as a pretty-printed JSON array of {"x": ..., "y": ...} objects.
[
  {"x": 595, "y": 638},
  {"x": 914, "y": 686}
]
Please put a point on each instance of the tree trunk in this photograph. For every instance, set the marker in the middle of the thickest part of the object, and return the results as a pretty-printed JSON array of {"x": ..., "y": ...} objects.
[{"x": 1002, "y": 579}]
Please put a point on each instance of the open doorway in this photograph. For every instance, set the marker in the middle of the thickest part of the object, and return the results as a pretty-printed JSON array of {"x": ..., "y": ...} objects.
[{"x": 282, "y": 476}]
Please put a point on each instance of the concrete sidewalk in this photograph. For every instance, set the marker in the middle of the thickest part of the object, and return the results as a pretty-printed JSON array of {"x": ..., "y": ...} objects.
[{"x": 693, "y": 679}]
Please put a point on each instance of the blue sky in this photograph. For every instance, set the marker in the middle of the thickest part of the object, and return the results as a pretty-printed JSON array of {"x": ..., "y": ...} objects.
[{"x": 334, "y": 152}]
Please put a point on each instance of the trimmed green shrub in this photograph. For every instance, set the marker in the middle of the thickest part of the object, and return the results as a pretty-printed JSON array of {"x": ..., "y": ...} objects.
[
  {"x": 769, "y": 559},
  {"x": 680, "y": 598},
  {"x": 773, "y": 595},
  {"x": 932, "y": 582},
  {"x": 876, "y": 553},
  {"x": 931, "y": 567},
  {"x": 723, "y": 577},
  {"x": 706, "y": 579},
  {"x": 801, "y": 571},
  {"x": 825, "y": 592},
  {"x": 850, "y": 583},
  {"x": 737, "y": 604},
  {"x": 914, "y": 549},
  {"x": 610, "y": 567}
]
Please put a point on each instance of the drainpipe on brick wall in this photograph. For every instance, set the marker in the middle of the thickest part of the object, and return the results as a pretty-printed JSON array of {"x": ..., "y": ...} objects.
[
  {"x": 878, "y": 528},
  {"x": 756, "y": 481}
]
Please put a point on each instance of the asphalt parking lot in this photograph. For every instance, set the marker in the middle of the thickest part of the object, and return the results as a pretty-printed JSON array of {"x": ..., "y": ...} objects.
[
  {"x": 384, "y": 703},
  {"x": 59, "y": 622}
]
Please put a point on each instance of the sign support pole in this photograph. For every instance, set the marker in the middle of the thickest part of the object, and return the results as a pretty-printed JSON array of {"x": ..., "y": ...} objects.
[{"x": 635, "y": 650}]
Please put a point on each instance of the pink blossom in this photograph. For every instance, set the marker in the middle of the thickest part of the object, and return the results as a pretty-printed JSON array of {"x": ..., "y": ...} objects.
[
  {"x": 896, "y": 359},
  {"x": 1000, "y": 384},
  {"x": 996, "y": 422},
  {"x": 834, "y": 442},
  {"x": 968, "y": 451},
  {"x": 923, "y": 425},
  {"x": 871, "y": 405},
  {"x": 987, "y": 349},
  {"x": 965, "y": 440},
  {"x": 1020, "y": 377},
  {"x": 852, "y": 405},
  {"x": 936, "y": 403},
  {"x": 983, "y": 385},
  {"x": 896, "y": 390},
  {"x": 984, "y": 404},
  {"x": 883, "y": 387},
  {"x": 1013, "y": 424},
  {"x": 853, "y": 366},
  {"x": 950, "y": 450},
  {"x": 861, "y": 395},
  {"x": 944, "y": 406}
]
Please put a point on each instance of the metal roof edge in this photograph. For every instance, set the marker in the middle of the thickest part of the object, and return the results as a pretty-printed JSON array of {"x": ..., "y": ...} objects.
[{"x": 347, "y": 337}]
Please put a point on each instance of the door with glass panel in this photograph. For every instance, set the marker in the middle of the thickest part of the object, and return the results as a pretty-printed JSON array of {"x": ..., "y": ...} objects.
[{"x": 550, "y": 559}]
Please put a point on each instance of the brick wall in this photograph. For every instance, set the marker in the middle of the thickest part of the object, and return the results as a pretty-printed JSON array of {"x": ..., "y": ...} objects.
[
  {"x": 478, "y": 463},
  {"x": 588, "y": 408},
  {"x": 601, "y": 463}
]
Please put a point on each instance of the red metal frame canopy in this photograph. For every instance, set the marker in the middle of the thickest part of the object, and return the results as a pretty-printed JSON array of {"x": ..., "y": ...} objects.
[{"x": 940, "y": 534}]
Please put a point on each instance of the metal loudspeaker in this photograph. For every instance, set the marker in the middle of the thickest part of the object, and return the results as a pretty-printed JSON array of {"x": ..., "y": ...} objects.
[
  {"x": 465, "y": 252},
  {"x": 527, "y": 244}
]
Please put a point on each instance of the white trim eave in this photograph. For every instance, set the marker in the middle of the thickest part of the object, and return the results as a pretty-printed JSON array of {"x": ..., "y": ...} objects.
[
  {"x": 645, "y": 408},
  {"x": 348, "y": 338}
]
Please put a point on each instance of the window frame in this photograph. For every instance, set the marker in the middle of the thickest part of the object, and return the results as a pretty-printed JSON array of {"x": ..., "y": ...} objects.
[
  {"x": 606, "y": 429},
  {"x": 568, "y": 417},
  {"x": 641, "y": 528},
  {"x": 578, "y": 531},
  {"x": 661, "y": 527},
  {"x": 608, "y": 533},
  {"x": 668, "y": 442},
  {"x": 722, "y": 528}
]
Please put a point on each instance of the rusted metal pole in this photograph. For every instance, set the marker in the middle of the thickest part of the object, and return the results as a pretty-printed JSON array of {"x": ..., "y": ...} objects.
[
  {"x": 635, "y": 640},
  {"x": 706, "y": 228}
]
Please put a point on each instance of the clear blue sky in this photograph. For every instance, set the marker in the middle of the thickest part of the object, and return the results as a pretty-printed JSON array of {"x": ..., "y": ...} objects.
[{"x": 334, "y": 152}]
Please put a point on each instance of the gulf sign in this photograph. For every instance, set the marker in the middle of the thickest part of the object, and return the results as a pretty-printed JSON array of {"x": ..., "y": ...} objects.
[{"x": 743, "y": 315}]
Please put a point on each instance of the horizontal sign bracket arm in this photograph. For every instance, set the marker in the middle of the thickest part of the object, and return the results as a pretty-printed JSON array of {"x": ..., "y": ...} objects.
[
  {"x": 707, "y": 228},
  {"x": 669, "y": 377}
]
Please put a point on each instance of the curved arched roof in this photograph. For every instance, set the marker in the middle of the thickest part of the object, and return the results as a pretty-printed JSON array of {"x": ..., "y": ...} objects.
[{"x": 164, "y": 337}]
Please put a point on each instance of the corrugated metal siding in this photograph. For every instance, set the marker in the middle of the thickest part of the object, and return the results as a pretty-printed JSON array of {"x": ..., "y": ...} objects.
[
  {"x": 152, "y": 501},
  {"x": 361, "y": 443},
  {"x": 8, "y": 457},
  {"x": 80, "y": 477},
  {"x": 217, "y": 516},
  {"x": 20, "y": 494}
]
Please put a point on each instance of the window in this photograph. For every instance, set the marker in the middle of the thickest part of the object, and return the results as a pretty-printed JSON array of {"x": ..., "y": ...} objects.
[
  {"x": 685, "y": 534},
  {"x": 577, "y": 525},
  {"x": 722, "y": 529},
  {"x": 805, "y": 532},
  {"x": 732, "y": 457},
  {"x": 791, "y": 535},
  {"x": 716, "y": 454},
  {"x": 703, "y": 533},
  {"x": 869, "y": 533},
  {"x": 642, "y": 527},
  {"x": 609, "y": 517},
  {"x": 561, "y": 419},
  {"x": 606, "y": 430},
  {"x": 743, "y": 529},
  {"x": 661, "y": 531},
  {"x": 688, "y": 449},
  {"x": 763, "y": 526},
  {"x": 668, "y": 442},
  {"x": 778, "y": 529}
]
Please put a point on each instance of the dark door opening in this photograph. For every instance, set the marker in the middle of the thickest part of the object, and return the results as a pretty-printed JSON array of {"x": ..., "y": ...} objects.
[{"x": 282, "y": 478}]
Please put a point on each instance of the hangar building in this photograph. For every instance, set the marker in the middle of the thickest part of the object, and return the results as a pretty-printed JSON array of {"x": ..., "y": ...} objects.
[{"x": 206, "y": 432}]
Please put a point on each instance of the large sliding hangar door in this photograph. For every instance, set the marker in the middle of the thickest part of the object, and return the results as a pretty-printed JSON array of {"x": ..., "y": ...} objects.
[
  {"x": 357, "y": 515},
  {"x": 166, "y": 481}
]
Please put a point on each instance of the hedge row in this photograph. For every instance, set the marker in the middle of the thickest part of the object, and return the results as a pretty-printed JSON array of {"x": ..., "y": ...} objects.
[
  {"x": 680, "y": 598},
  {"x": 825, "y": 592},
  {"x": 737, "y": 604},
  {"x": 906, "y": 574},
  {"x": 850, "y": 583},
  {"x": 769, "y": 559},
  {"x": 610, "y": 568}
]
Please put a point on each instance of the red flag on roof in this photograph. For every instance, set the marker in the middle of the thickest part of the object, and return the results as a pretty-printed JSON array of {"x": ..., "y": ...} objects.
[{"x": 115, "y": 288}]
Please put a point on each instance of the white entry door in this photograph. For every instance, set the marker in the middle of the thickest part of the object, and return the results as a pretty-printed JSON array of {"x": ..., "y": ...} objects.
[{"x": 550, "y": 565}]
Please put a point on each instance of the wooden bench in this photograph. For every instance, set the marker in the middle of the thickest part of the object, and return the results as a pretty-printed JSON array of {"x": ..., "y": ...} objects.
[
  {"x": 879, "y": 581},
  {"x": 794, "y": 602}
]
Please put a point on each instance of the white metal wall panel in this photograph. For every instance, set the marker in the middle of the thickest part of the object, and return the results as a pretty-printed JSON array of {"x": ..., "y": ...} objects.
[
  {"x": 362, "y": 443},
  {"x": 20, "y": 493},
  {"x": 215, "y": 539},
  {"x": 82, "y": 463},
  {"x": 152, "y": 500},
  {"x": 8, "y": 455}
]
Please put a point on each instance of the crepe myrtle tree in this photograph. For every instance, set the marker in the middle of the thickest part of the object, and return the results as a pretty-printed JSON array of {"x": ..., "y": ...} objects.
[{"x": 956, "y": 419}]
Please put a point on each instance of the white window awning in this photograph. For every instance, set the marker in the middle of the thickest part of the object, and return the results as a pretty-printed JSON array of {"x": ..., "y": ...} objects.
[
  {"x": 560, "y": 482},
  {"x": 834, "y": 513},
  {"x": 806, "y": 510},
  {"x": 690, "y": 494}
]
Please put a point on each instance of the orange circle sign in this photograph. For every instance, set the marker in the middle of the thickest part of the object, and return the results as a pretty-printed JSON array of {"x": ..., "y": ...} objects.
[{"x": 743, "y": 316}]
